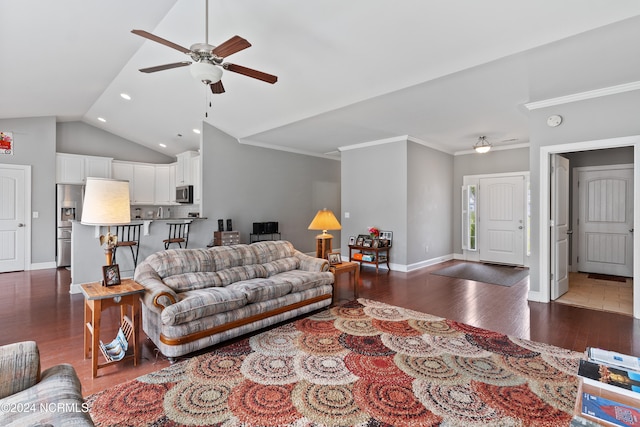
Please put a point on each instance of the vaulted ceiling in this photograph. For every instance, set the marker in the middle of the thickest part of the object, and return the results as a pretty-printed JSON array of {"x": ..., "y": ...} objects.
[{"x": 442, "y": 73}]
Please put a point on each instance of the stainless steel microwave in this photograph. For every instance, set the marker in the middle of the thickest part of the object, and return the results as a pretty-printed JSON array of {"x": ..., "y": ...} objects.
[{"x": 184, "y": 194}]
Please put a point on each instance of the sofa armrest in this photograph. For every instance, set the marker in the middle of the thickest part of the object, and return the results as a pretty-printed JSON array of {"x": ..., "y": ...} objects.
[
  {"x": 310, "y": 263},
  {"x": 54, "y": 401},
  {"x": 19, "y": 367},
  {"x": 157, "y": 295}
]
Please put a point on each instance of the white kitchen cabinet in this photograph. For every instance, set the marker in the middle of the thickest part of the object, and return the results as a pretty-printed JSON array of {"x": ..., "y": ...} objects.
[
  {"x": 183, "y": 168},
  {"x": 75, "y": 168},
  {"x": 123, "y": 170},
  {"x": 164, "y": 188},
  {"x": 144, "y": 182}
]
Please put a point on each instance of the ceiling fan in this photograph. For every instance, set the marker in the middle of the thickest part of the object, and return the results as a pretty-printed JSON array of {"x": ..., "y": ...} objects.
[{"x": 208, "y": 60}]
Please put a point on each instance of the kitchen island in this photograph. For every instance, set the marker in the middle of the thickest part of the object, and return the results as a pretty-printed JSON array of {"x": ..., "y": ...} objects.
[{"x": 87, "y": 256}]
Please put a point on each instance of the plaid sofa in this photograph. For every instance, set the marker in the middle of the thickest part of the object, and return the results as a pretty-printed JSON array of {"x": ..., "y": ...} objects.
[
  {"x": 29, "y": 397},
  {"x": 199, "y": 297}
]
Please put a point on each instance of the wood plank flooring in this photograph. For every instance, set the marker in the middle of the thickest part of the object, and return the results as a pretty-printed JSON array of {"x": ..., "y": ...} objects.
[{"x": 37, "y": 306}]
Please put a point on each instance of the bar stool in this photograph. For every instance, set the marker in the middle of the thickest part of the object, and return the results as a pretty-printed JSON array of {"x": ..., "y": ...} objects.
[
  {"x": 178, "y": 233},
  {"x": 128, "y": 236}
]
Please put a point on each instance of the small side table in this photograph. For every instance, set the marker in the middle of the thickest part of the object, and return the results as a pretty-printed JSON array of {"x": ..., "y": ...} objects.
[
  {"x": 348, "y": 267},
  {"x": 97, "y": 298}
]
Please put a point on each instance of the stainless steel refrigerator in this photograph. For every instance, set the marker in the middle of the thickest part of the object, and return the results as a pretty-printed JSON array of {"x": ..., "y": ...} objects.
[{"x": 68, "y": 208}]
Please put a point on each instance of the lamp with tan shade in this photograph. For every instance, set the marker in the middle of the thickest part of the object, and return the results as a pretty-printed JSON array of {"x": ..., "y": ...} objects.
[
  {"x": 106, "y": 203},
  {"x": 324, "y": 220}
]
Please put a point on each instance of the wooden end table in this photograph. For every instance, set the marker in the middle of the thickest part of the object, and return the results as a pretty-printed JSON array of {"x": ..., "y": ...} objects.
[
  {"x": 348, "y": 267},
  {"x": 97, "y": 298}
]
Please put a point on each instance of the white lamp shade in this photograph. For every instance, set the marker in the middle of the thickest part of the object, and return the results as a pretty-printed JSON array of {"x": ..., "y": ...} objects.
[
  {"x": 206, "y": 72},
  {"x": 106, "y": 202}
]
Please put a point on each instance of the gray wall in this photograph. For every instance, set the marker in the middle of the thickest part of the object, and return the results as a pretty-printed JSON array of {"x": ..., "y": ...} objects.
[
  {"x": 496, "y": 161},
  {"x": 600, "y": 118},
  {"x": 250, "y": 184},
  {"x": 403, "y": 187},
  {"x": 429, "y": 208},
  {"x": 35, "y": 145},
  {"x": 374, "y": 193},
  {"x": 81, "y": 138}
]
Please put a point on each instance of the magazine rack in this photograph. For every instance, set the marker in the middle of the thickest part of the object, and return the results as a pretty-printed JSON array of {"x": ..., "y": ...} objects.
[
  {"x": 127, "y": 330},
  {"x": 98, "y": 298}
]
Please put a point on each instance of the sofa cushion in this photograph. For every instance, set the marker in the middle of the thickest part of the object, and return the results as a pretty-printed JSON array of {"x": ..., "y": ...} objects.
[
  {"x": 201, "y": 303},
  {"x": 280, "y": 265},
  {"x": 303, "y": 280},
  {"x": 225, "y": 257},
  {"x": 258, "y": 290},
  {"x": 200, "y": 280},
  {"x": 269, "y": 251}
]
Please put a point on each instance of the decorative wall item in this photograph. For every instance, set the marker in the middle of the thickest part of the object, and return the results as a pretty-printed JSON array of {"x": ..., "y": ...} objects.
[{"x": 6, "y": 143}]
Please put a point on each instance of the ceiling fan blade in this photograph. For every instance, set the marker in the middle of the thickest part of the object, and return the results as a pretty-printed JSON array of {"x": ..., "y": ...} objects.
[
  {"x": 231, "y": 46},
  {"x": 269, "y": 78},
  {"x": 217, "y": 87},
  {"x": 160, "y": 40},
  {"x": 165, "y": 67}
]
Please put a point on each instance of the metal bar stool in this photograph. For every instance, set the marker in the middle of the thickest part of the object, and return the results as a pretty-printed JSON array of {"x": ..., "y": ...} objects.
[
  {"x": 128, "y": 236},
  {"x": 178, "y": 233}
]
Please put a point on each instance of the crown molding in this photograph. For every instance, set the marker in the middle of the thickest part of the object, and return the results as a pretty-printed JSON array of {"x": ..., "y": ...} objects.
[
  {"x": 391, "y": 140},
  {"x": 287, "y": 149},
  {"x": 581, "y": 96}
]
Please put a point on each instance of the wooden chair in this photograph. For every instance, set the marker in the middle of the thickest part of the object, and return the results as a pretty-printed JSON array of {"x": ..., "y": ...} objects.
[
  {"x": 178, "y": 233},
  {"x": 128, "y": 236}
]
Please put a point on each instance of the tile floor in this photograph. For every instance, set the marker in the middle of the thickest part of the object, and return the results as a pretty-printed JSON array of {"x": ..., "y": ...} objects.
[{"x": 606, "y": 295}]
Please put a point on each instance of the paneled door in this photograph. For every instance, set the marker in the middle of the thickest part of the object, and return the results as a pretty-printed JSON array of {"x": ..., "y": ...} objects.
[
  {"x": 502, "y": 220},
  {"x": 559, "y": 226},
  {"x": 12, "y": 218},
  {"x": 605, "y": 222}
]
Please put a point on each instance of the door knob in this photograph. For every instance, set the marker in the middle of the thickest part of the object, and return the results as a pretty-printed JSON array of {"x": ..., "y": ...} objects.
[
  {"x": 631, "y": 231},
  {"x": 520, "y": 228},
  {"x": 21, "y": 225}
]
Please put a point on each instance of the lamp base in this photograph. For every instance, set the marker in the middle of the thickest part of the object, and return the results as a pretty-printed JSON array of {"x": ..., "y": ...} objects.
[
  {"x": 323, "y": 245},
  {"x": 108, "y": 253}
]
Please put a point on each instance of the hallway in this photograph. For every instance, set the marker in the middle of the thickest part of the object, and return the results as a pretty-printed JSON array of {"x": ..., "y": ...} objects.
[{"x": 598, "y": 294}]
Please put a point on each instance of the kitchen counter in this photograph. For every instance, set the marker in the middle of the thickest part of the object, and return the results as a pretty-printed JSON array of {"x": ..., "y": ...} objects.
[{"x": 87, "y": 256}]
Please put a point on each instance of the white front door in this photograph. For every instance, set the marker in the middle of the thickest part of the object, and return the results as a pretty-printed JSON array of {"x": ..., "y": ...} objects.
[
  {"x": 559, "y": 226},
  {"x": 502, "y": 220},
  {"x": 12, "y": 218},
  {"x": 605, "y": 222}
]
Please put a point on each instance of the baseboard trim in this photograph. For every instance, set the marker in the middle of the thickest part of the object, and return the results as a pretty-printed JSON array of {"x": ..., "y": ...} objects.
[
  {"x": 536, "y": 296},
  {"x": 42, "y": 265},
  {"x": 429, "y": 262}
]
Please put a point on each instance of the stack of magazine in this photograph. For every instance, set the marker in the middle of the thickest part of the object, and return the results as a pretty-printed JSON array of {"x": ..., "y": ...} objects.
[
  {"x": 116, "y": 349},
  {"x": 610, "y": 391}
]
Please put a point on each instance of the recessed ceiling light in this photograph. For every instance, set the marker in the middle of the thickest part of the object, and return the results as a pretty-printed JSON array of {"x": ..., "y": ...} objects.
[
  {"x": 126, "y": 96},
  {"x": 102, "y": 119},
  {"x": 196, "y": 131},
  {"x": 163, "y": 145}
]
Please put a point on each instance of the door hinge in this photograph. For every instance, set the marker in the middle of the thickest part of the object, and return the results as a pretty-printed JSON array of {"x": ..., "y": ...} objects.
[{"x": 552, "y": 277}]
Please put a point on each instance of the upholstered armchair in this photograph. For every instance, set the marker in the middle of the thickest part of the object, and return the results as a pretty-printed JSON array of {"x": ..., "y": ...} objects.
[{"x": 29, "y": 397}]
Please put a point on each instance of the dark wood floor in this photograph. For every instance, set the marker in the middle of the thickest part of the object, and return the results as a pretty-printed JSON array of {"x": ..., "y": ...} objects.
[{"x": 37, "y": 306}]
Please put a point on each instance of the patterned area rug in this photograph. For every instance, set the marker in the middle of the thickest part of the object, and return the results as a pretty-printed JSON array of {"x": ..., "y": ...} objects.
[{"x": 361, "y": 364}]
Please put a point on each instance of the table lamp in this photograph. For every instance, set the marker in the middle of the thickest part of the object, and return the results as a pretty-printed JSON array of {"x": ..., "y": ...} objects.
[
  {"x": 324, "y": 220},
  {"x": 106, "y": 203}
]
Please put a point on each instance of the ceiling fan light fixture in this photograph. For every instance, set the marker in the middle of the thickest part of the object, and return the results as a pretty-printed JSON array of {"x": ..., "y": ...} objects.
[
  {"x": 482, "y": 146},
  {"x": 206, "y": 72}
]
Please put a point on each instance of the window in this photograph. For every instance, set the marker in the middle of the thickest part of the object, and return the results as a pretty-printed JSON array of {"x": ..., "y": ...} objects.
[{"x": 469, "y": 230}]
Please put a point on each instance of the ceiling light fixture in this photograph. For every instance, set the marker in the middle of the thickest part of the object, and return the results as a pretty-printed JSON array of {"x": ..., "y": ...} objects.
[
  {"x": 482, "y": 146},
  {"x": 102, "y": 119},
  {"x": 162, "y": 145},
  {"x": 126, "y": 96},
  {"x": 206, "y": 72},
  {"x": 196, "y": 131}
]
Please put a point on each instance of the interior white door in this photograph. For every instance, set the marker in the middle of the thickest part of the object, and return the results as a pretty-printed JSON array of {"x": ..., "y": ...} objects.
[
  {"x": 12, "y": 219},
  {"x": 559, "y": 226},
  {"x": 501, "y": 220},
  {"x": 605, "y": 221}
]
